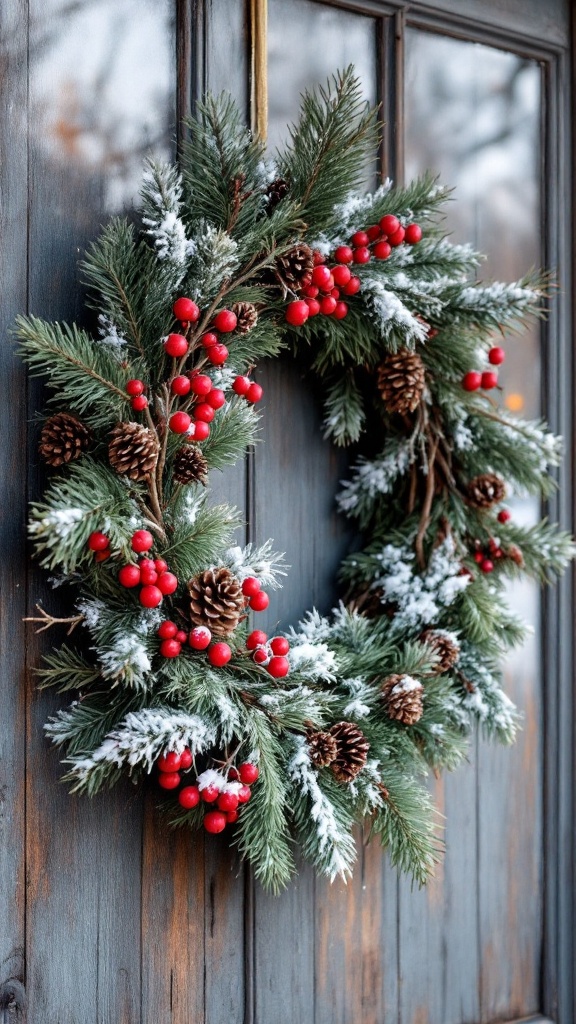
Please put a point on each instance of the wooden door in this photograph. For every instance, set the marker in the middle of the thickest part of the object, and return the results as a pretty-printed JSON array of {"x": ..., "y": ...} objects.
[{"x": 104, "y": 917}]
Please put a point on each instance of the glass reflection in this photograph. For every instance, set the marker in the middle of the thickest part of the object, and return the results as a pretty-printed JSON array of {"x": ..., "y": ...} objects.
[
  {"x": 102, "y": 88},
  {"x": 306, "y": 42}
]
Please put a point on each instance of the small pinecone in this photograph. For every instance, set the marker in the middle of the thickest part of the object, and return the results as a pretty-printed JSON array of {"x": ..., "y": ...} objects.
[
  {"x": 403, "y": 698},
  {"x": 190, "y": 466},
  {"x": 63, "y": 439},
  {"x": 216, "y": 600},
  {"x": 246, "y": 315},
  {"x": 322, "y": 748},
  {"x": 277, "y": 190},
  {"x": 444, "y": 647},
  {"x": 295, "y": 266},
  {"x": 133, "y": 450},
  {"x": 485, "y": 490},
  {"x": 352, "y": 752},
  {"x": 401, "y": 381}
]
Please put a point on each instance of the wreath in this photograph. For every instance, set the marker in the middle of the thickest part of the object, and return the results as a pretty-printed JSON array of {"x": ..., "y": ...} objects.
[{"x": 296, "y": 737}]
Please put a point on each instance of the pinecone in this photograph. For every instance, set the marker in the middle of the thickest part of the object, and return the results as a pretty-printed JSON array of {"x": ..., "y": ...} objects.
[
  {"x": 401, "y": 381},
  {"x": 133, "y": 450},
  {"x": 485, "y": 490},
  {"x": 63, "y": 439},
  {"x": 444, "y": 646},
  {"x": 216, "y": 600},
  {"x": 295, "y": 266},
  {"x": 246, "y": 315},
  {"x": 276, "y": 192},
  {"x": 352, "y": 752},
  {"x": 322, "y": 748},
  {"x": 190, "y": 466},
  {"x": 403, "y": 698}
]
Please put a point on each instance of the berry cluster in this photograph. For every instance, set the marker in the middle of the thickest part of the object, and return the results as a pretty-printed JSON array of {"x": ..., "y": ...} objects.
[
  {"x": 322, "y": 289},
  {"x": 98, "y": 543},
  {"x": 485, "y": 555},
  {"x": 228, "y": 791},
  {"x": 270, "y": 655},
  {"x": 152, "y": 575},
  {"x": 248, "y": 389},
  {"x": 473, "y": 380}
]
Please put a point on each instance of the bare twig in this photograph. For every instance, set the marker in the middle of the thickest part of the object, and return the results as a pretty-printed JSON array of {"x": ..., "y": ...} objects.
[{"x": 48, "y": 620}]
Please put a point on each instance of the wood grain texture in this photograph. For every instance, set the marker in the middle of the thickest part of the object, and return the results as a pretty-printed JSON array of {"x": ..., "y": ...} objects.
[{"x": 13, "y": 260}]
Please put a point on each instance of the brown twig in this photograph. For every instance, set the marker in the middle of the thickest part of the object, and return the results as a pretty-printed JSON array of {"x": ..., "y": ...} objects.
[
  {"x": 48, "y": 620},
  {"x": 426, "y": 507}
]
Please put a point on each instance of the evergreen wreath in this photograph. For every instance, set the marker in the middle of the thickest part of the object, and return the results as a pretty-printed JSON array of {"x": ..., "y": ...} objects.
[{"x": 294, "y": 737}]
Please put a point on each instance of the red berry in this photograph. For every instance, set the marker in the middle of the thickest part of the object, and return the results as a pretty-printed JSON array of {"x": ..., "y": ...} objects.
[
  {"x": 231, "y": 817},
  {"x": 200, "y": 638},
  {"x": 373, "y": 232},
  {"x": 148, "y": 573},
  {"x": 353, "y": 286},
  {"x": 129, "y": 576},
  {"x": 147, "y": 564},
  {"x": 472, "y": 380},
  {"x": 98, "y": 541},
  {"x": 251, "y": 586},
  {"x": 209, "y": 339},
  {"x": 496, "y": 356},
  {"x": 201, "y": 385},
  {"x": 389, "y": 224},
  {"x": 397, "y": 236},
  {"x": 248, "y": 773},
  {"x": 141, "y": 541},
  {"x": 169, "y": 762},
  {"x": 216, "y": 398},
  {"x": 214, "y": 822},
  {"x": 227, "y": 802},
  {"x": 210, "y": 793},
  {"x": 176, "y": 345},
  {"x": 169, "y": 780},
  {"x": 160, "y": 565},
  {"x": 203, "y": 411},
  {"x": 225, "y": 321},
  {"x": 150, "y": 597},
  {"x": 255, "y": 639},
  {"x": 279, "y": 667},
  {"x": 487, "y": 565},
  {"x": 313, "y": 306},
  {"x": 297, "y": 312},
  {"x": 217, "y": 355},
  {"x": 189, "y": 797},
  {"x": 335, "y": 293},
  {"x": 344, "y": 254},
  {"x": 102, "y": 556},
  {"x": 139, "y": 403},
  {"x": 362, "y": 255},
  {"x": 504, "y": 515},
  {"x": 321, "y": 276},
  {"x": 341, "y": 310},
  {"x": 318, "y": 257},
  {"x": 311, "y": 291},
  {"x": 201, "y": 430},
  {"x": 186, "y": 309},
  {"x": 179, "y": 422},
  {"x": 167, "y": 630},
  {"x": 341, "y": 275},
  {"x": 328, "y": 305},
  {"x": 254, "y": 393},
  {"x": 382, "y": 250},
  {"x": 241, "y": 385},
  {"x": 360, "y": 238},
  {"x": 413, "y": 234},
  {"x": 186, "y": 760},
  {"x": 489, "y": 380},
  {"x": 259, "y": 601},
  {"x": 167, "y": 584},
  {"x": 244, "y": 794},
  {"x": 261, "y": 656},
  {"x": 233, "y": 774},
  {"x": 279, "y": 645},
  {"x": 180, "y": 385},
  {"x": 170, "y": 648},
  {"x": 219, "y": 654},
  {"x": 181, "y": 636},
  {"x": 134, "y": 388},
  {"x": 478, "y": 557}
]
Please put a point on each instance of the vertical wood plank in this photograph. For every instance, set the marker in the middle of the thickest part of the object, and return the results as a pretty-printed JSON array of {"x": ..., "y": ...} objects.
[{"x": 13, "y": 271}]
